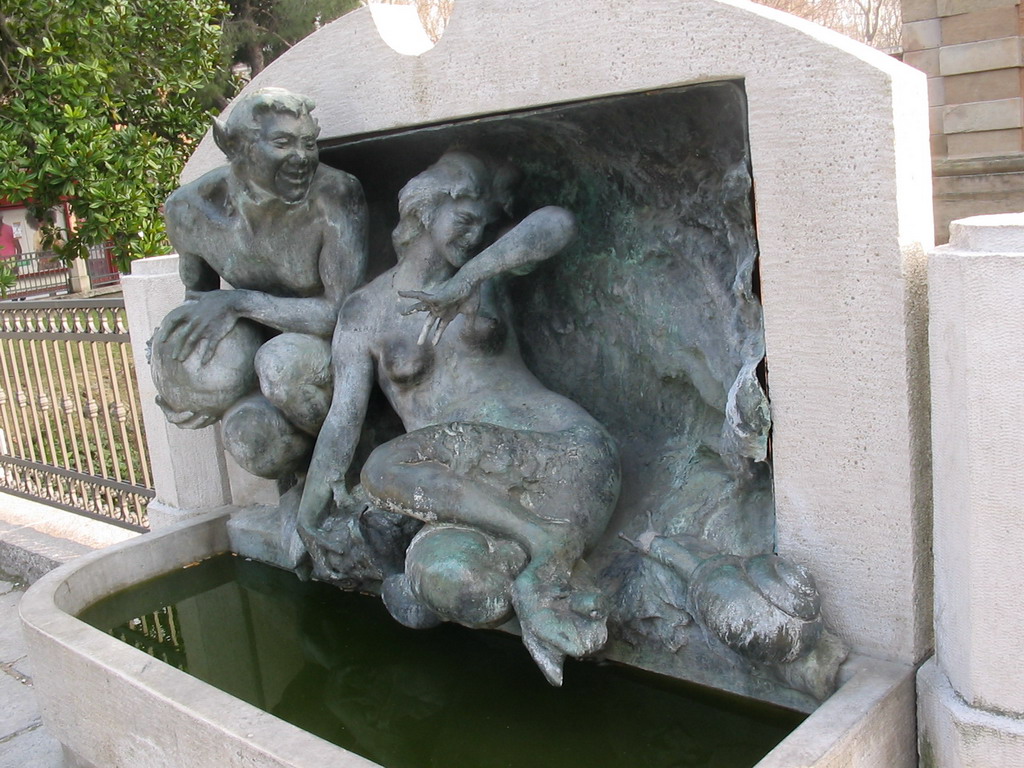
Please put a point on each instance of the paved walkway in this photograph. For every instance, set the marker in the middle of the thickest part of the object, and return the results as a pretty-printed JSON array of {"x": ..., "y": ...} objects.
[
  {"x": 34, "y": 539},
  {"x": 24, "y": 742}
]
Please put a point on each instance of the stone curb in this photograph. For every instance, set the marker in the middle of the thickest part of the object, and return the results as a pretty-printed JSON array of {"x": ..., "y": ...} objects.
[{"x": 36, "y": 538}]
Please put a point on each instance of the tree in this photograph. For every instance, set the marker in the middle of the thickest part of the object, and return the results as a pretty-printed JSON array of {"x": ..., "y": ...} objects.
[
  {"x": 875, "y": 22},
  {"x": 258, "y": 31},
  {"x": 434, "y": 15},
  {"x": 99, "y": 107},
  {"x": 878, "y": 23}
]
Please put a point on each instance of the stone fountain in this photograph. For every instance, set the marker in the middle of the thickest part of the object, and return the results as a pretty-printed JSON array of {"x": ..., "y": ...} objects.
[{"x": 569, "y": 271}]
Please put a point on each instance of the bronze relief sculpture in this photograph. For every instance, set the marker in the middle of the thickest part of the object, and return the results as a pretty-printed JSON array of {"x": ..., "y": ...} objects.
[{"x": 579, "y": 451}]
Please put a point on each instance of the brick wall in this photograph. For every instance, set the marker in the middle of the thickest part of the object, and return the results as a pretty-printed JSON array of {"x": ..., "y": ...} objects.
[{"x": 971, "y": 52}]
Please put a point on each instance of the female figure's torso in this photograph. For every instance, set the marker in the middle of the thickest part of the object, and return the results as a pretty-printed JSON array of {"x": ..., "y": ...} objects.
[{"x": 473, "y": 374}]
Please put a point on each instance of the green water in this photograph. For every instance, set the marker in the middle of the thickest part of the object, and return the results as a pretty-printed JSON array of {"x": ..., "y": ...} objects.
[{"x": 337, "y": 665}]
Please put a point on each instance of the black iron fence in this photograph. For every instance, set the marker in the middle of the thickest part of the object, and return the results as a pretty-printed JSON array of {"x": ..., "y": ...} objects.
[{"x": 71, "y": 432}]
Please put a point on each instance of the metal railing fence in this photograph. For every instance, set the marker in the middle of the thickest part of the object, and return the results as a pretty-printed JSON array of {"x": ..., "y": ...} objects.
[
  {"x": 39, "y": 273},
  {"x": 158, "y": 634},
  {"x": 71, "y": 432},
  {"x": 42, "y": 273}
]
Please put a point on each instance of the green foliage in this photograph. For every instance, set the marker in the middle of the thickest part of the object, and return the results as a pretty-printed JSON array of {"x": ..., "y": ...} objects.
[
  {"x": 259, "y": 31},
  {"x": 99, "y": 106},
  {"x": 7, "y": 279}
]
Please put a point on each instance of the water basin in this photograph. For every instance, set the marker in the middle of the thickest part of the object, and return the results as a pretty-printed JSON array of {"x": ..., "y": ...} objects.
[
  {"x": 337, "y": 665},
  {"x": 398, "y": 697}
]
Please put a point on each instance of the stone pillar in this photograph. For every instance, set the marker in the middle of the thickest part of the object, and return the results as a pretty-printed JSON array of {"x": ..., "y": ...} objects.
[
  {"x": 188, "y": 465},
  {"x": 78, "y": 272},
  {"x": 971, "y": 693},
  {"x": 971, "y": 52}
]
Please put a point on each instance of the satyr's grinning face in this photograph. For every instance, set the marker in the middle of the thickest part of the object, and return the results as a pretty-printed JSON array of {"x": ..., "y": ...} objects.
[{"x": 284, "y": 156}]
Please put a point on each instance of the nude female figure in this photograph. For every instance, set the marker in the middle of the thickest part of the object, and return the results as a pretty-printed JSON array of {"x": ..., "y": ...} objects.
[{"x": 512, "y": 482}]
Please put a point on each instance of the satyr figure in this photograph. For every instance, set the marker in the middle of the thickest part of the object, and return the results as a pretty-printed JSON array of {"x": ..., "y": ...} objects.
[
  {"x": 512, "y": 482},
  {"x": 289, "y": 235}
]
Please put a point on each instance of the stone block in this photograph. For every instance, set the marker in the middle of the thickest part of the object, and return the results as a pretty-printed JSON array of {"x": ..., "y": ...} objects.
[
  {"x": 982, "y": 186},
  {"x": 936, "y": 91},
  {"x": 34, "y": 747},
  {"x": 35, "y": 538},
  {"x": 188, "y": 465},
  {"x": 980, "y": 57},
  {"x": 919, "y": 35},
  {"x": 18, "y": 714},
  {"x": 935, "y": 120},
  {"x": 989, "y": 24},
  {"x": 78, "y": 276},
  {"x": 998, "y": 234},
  {"x": 954, "y": 735},
  {"x": 868, "y": 723},
  {"x": 984, "y": 143},
  {"x": 982, "y": 86},
  {"x": 938, "y": 145},
  {"x": 975, "y": 285},
  {"x": 919, "y": 10},
  {"x": 957, "y": 197},
  {"x": 954, "y": 7},
  {"x": 927, "y": 61},
  {"x": 163, "y": 515},
  {"x": 248, "y": 489},
  {"x": 12, "y": 644},
  {"x": 961, "y": 196},
  {"x": 983, "y": 116},
  {"x": 256, "y": 532}
]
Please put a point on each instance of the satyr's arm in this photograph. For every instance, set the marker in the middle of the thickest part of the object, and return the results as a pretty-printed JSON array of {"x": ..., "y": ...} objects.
[
  {"x": 536, "y": 238},
  {"x": 336, "y": 444},
  {"x": 198, "y": 276},
  {"x": 207, "y": 321},
  {"x": 342, "y": 267},
  {"x": 343, "y": 257}
]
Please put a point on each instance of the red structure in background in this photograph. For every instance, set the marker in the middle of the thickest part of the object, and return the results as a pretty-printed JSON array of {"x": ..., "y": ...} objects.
[{"x": 40, "y": 272}]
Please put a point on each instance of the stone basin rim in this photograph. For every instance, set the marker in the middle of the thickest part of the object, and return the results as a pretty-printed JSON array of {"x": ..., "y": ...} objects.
[{"x": 229, "y": 731}]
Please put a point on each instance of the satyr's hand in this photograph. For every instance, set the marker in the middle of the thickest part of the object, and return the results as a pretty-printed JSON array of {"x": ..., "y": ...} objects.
[
  {"x": 205, "y": 322},
  {"x": 186, "y": 419},
  {"x": 452, "y": 298}
]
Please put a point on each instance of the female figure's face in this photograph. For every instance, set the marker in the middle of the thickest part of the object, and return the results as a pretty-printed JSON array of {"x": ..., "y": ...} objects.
[{"x": 458, "y": 229}]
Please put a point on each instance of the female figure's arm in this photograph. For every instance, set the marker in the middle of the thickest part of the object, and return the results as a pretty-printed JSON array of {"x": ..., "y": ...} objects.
[
  {"x": 336, "y": 444},
  {"x": 536, "y": 238}
]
